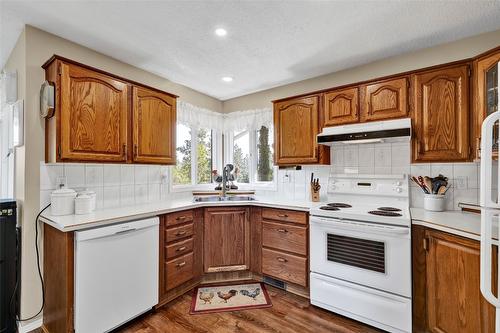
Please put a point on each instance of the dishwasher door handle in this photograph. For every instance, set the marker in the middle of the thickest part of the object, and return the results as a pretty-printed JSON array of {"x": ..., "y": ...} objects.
[{"x": 125, "y": 231}]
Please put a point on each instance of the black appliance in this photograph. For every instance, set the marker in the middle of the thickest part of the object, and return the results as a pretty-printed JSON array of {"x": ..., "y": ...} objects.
[{"x": 8, "y": 265}]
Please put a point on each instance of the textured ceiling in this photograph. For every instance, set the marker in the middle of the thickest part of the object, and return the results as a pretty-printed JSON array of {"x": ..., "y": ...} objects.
[{"x": 269, "y": 43}]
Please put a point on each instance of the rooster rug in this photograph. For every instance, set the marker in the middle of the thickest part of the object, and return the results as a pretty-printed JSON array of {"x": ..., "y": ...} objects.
[{"x": 210, "y": 299}]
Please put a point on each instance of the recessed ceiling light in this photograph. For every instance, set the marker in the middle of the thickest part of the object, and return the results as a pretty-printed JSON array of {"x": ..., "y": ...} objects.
[
  {"x": 220, "y": 32},
  {"x": 227, "y": 79}
]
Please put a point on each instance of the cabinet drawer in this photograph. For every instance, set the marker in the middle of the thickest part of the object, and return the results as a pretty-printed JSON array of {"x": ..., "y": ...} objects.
[
  {"x": 285, "y": 237},
  {"x": 180, "y": 232},
  {"x": 179, "y": 248},
  {"x": 284, "y": 215},
  {"x": 284, "y": 266},
  {"x": 179, "y": 217},
  {"x": 179, "y": 271}
]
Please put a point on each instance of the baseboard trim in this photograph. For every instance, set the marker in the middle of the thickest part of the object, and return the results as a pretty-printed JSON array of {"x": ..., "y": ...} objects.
[{"x": 28, "y": 327}]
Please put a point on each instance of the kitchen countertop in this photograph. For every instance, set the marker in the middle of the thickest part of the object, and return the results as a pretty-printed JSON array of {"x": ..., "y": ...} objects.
[
  {"x": 104, "y": 217},
  {"x": 459, "y": 223}
]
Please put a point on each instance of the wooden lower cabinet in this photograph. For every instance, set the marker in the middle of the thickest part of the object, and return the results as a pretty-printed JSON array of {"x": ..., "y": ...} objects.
[
  {"x": 285, "y": 248},
  {"x": 446, "y": 294},
  {"x": 226, "y": 236},
  {"x": 181, "y": 248}
]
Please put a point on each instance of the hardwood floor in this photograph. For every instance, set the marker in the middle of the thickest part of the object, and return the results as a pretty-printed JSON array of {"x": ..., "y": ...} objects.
[{"x": 289, "y": 314}]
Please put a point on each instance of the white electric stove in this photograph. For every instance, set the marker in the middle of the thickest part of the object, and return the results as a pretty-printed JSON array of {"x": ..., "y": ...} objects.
[{"x": 360, "y": 246}]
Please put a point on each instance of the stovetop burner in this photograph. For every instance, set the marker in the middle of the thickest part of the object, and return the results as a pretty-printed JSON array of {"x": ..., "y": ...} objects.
[
  {"x": 389, "y": 209},
  {"x": 338, "y": 205},
  {"x": 328, "y": 208},
  {"x": 384, "y": 213}
]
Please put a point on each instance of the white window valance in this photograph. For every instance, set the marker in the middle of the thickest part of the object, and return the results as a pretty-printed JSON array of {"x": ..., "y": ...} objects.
[
  {"x": 194, "y": 116},
  {"x": 197, "y": 117},
  {"x": 248, "y": 120}
]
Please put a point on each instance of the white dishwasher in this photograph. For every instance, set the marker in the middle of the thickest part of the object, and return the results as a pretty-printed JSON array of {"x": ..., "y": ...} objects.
[{"x": 116, "y": 274}]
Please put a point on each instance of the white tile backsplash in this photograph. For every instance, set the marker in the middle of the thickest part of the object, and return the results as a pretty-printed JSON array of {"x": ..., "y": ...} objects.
[
  {"x": 111, "y": 175},
  {"x": 115, "y": 185},
  {"x": 94, "y": 175}
]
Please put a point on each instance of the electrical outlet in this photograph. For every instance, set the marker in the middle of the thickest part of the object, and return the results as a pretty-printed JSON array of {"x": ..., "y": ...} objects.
[
  {"x": 460, "y": 183},
  {"x": 61, "y": 182}
]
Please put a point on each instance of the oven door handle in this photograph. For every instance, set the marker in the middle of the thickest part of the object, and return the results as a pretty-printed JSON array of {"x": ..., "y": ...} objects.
[{"x": 359, "y": 226}]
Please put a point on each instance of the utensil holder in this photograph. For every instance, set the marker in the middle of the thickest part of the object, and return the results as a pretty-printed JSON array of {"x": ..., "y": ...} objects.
[{"x": 434, "y": 202}]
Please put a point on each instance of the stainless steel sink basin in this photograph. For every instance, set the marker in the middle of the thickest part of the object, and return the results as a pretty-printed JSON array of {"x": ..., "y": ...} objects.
[{"x": 228, "y": 198}]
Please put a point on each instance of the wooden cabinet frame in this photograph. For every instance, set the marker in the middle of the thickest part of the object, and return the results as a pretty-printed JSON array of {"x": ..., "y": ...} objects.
[{"x": 58, "y": 128}]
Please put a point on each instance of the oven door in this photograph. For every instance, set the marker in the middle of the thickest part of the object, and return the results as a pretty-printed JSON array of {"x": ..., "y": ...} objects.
[{"x": 373, "y": 255}]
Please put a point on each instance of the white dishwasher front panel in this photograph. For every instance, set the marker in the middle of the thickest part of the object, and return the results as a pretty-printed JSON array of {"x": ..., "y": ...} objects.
[{"x": 116, "y": 274}]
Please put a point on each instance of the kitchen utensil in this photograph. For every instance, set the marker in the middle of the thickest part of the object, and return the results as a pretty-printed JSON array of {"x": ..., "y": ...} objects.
[
  {"x": 442, "y": 190},
  {"x": 428, "y": 184},
  {"x": 415, "y": 180},
  {"x": 421, "y": 182}
]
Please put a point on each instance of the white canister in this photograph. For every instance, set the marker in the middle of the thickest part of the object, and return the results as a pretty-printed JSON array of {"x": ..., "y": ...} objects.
[
  {"x": 92, "y": 196},
  {"x": 434, "y": 202},
  {"x": 83, "y": 204},
  {"x": 62, "y": 201}
]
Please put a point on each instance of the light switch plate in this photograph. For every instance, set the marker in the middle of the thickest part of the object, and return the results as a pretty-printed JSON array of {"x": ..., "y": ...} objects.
[{"x": 460, "y": 183}]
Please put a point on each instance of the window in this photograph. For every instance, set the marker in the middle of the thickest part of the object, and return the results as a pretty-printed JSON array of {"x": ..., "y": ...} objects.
[
  {"x": 252, "y": 154},
  {"x": 186, "y": 173},
  {"x": 241, "y": 156}
]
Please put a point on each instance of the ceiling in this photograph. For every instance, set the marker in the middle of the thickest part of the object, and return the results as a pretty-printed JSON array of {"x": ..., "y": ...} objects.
[{"x": 269, "y": 43}]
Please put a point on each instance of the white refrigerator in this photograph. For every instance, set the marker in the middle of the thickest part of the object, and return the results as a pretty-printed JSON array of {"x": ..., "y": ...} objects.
[{"x": 490, "y": 187}]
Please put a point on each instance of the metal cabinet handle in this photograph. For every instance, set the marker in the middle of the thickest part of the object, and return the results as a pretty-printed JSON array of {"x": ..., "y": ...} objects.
[
  {"x": 135, "y": 150},
  {"x": 282, "y": 215},
  {"x": 281, "y": 259},
  {"x": 125, "y": 150},
  {"x": 180, "y": 233},
  {"x": 181, "y": 264},
  {"x": 282, "y": 230},
  {"x": 181, "y": 249},
  {"x": 180, "y": 218}
]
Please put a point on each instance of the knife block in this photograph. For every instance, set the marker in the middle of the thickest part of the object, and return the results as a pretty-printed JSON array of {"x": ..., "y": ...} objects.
[{"x": 314, "y": 195}]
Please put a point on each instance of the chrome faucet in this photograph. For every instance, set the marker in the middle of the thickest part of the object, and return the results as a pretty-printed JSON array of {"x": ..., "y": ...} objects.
[{"x": 225, "y": 177}]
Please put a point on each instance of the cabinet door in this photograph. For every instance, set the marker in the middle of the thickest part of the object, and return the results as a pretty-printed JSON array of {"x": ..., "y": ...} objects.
[
  {"x": 93, "y": 113},
  {"x": 485, "y": 96},
  {"x": 454, "y": 300},
  {"x": 341, "y": 107},
  {"x": 441, "y": 115},
  {"x": 385, "y": 100},
  {"x": 154, "y": 123},
  {"x": 296, "y": 124},
  {"x": 226, "y": 239}
]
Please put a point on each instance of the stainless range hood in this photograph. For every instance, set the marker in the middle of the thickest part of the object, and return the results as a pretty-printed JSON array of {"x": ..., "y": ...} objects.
[{"x": 369, "y": 132}]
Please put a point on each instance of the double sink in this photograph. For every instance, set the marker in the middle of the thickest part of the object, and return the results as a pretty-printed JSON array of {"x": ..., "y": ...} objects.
[{"x": 221, "y": 198}]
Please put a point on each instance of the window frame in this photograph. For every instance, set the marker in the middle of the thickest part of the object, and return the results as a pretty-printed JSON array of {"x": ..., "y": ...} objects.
[
  {"x": 194, "y": 166},
  {"x": 252, "y": 167}
]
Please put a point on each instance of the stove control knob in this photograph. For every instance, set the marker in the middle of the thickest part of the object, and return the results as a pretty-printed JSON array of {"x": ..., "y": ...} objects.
[
  {"x": 398, "y": 183},
  {"x": 399, "y": 189}
]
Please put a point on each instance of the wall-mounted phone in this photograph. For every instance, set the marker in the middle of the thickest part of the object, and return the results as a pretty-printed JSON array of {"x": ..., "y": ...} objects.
[{"x": 47, "y": 101}]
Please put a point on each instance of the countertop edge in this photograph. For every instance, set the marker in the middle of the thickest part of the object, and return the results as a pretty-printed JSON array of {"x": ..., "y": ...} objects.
[{"x": 156, "y": 212}]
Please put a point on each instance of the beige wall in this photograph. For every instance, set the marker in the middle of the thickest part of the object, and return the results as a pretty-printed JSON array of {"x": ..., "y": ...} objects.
[
  {"x": 37, "y": 46},
  {"x": 458, "y": 50}
]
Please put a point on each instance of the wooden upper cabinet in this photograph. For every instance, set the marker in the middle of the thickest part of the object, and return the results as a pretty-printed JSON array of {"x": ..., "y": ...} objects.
[
  {"x": 100, "y": 117},
  {"x": 296, "y": 124},
  {"x": 454, "y": 300},
  {"x": 485, "y": 95},
  {"x": 441, "y": 115},
  {"x": 226, "y": 239},
  {"x": 341, "y": 106},
  {"x": 93, "y": 115},
  {"x": 385, "y": 100},
  {"x": 154, "y": 119}
]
